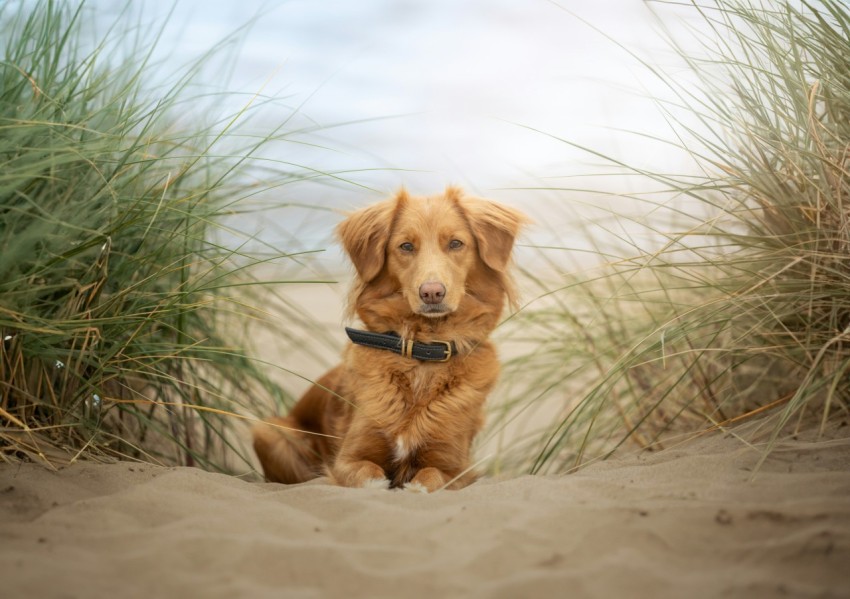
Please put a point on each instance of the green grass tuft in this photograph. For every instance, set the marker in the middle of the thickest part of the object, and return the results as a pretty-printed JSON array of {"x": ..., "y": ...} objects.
[
  {"x": 121, "y": 316},
  {"x": 746, "y": 306}
]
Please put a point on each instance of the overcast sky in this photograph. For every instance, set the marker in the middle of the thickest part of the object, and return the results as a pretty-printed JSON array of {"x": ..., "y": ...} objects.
[{"x": 471, "y": 93}]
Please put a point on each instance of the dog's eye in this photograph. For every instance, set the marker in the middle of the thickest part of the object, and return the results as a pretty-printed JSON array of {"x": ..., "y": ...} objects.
[
  {"x": 455, "y": 244},
  {"x": 406, "y": 247}
]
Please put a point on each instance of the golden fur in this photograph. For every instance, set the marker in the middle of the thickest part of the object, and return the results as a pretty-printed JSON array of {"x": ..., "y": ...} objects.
[{"x": 429, "y": 269}]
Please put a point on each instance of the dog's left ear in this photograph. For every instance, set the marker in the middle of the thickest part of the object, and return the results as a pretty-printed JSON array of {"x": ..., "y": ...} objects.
[{"x": 495, "y": 228}]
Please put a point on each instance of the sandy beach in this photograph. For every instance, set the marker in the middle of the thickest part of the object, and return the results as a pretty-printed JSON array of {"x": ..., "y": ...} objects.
[{"x": 685, "y": 522}]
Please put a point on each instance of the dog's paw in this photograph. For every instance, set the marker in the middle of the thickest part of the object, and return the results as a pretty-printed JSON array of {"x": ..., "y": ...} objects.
[
  {"x": 415, "y": 487},
  {"x": 375, "y": 483}
]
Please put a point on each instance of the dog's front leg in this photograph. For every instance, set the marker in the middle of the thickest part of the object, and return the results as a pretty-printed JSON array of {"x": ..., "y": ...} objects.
[
  {"x": 431, "y": 478},
  {"x": 361, "y": 452},
  {"x": 428, "y": 480}
]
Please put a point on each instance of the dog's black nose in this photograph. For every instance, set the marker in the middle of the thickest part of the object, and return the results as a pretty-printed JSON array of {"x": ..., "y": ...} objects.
[{"x": 432, "y": 292}]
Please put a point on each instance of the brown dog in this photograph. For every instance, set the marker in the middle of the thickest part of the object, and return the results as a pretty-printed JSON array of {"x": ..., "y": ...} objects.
[{"x": 404, "y": 406}]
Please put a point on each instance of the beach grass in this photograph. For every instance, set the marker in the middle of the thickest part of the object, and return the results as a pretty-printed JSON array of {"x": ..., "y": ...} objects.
[
  {"x": 125, "y": 289},
  {"x": 744, "y": 306}
]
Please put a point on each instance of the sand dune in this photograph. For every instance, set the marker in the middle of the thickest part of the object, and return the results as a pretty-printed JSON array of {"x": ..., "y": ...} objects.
[{"x": 685, "y": 522}]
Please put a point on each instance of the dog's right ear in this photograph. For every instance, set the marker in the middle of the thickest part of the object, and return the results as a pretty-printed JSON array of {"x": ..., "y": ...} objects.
[{"x": 365, "y": 233}]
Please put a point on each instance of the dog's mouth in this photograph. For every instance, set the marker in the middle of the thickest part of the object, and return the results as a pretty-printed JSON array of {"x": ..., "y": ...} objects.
[{"x": 434, "y": 310}]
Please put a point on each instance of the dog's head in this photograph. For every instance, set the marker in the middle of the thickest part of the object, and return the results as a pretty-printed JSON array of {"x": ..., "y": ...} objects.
[{"x": 430, "y": 249}]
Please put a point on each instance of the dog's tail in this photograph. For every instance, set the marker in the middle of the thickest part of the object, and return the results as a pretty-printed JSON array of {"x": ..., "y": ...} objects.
[{"x": 285, "y": 452}]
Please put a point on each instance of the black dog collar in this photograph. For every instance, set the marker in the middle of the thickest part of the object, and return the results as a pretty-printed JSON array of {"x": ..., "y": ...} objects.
[{"x": 439, "y": 351}]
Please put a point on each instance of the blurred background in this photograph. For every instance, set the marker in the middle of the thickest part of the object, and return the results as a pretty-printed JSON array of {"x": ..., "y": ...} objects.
[{"x": 498, "y": 96}]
